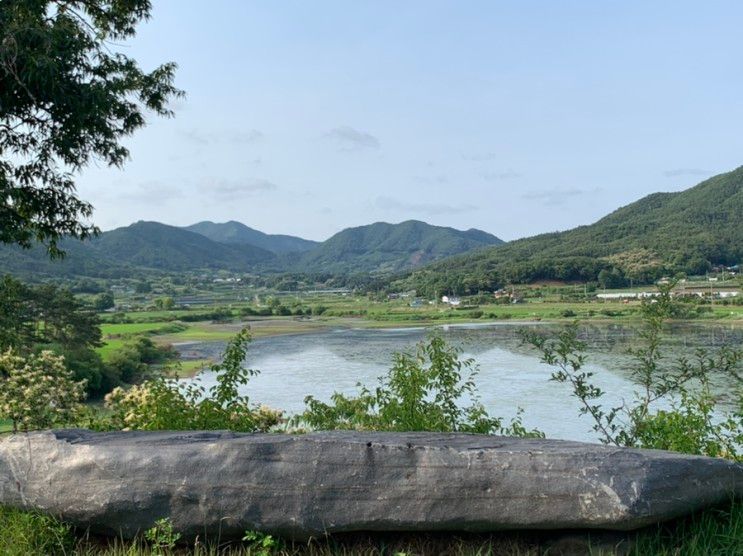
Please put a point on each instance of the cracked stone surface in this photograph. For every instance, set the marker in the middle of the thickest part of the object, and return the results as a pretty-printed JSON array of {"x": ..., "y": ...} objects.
[{"x": 220, "y": 483}]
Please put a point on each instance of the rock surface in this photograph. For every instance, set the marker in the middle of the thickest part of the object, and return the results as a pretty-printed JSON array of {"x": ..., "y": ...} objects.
[{"x": 218, "y": 483}]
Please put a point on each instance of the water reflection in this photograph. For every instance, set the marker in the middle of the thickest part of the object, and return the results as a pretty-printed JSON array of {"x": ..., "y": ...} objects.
[{"x": 510, "y": 374}]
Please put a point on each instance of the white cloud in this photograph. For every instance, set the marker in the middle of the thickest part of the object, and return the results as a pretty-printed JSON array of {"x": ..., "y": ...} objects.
[
  {"x": 350, "y": 139},
  {"x": 430, "y": 209}
]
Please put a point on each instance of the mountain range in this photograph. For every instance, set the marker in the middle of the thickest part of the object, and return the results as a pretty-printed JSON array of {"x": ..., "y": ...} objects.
[
  {"x": 236, "y": 233},
  {"x": 233, "y": 246},
  {"x": 686, "y": 231}
]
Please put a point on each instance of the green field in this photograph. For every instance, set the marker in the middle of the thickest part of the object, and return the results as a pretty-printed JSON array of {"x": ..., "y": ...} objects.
[
  {"x": 541, "y": 303},
  {"x": 192, "y": 367},
  {"x": 131, "y": 328}
]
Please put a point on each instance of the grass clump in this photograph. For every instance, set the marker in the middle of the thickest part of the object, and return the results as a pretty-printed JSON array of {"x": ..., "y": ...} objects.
[
  {"x": 714, "y": 532},
  {"x": 23, "y": 533}
]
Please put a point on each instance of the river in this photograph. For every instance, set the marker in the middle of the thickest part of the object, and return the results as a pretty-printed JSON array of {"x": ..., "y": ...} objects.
[{"x": 510, "y": 375}]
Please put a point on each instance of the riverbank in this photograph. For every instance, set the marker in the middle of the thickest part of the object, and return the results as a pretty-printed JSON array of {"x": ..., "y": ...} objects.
[{"x": 183, "y": 327}]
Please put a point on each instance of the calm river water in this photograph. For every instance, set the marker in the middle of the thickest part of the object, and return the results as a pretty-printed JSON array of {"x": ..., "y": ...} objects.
[{"x": 510, "y": 374}]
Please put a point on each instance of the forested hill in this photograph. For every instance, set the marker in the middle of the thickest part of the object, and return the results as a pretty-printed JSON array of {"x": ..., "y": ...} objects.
[
  {"x": 236, "y": 233},
  {"x": 687, "y": 231},
  {"x": 142, "y": 245},
  {"x": 383, "y": 247},
  {"x": 154, "y": 246}
]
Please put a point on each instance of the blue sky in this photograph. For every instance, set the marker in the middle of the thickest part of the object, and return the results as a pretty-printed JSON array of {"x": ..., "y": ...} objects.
[{"x": 513, "y": 117}]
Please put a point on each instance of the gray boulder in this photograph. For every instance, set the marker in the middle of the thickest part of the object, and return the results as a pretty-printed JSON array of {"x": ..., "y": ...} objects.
[{"x": 219, "y": 483}]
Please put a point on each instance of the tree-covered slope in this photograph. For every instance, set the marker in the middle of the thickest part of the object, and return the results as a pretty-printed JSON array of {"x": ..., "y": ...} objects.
[
  {"x": 80, "y": 260},
  {"x": 239, "y": 234},
  {"x": 159, "y": 246},
  {"x": 149, "y": 245},
  {"x": 383, "y": 247},
  {"x": 686, "y": 231}
]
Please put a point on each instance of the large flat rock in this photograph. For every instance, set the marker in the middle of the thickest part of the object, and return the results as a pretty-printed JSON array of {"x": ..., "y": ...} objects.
[{"x": 307, "y": 485}]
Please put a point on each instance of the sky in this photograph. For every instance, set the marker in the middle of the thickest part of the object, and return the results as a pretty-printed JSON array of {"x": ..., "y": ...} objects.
[{"x": 516, "y": 118}]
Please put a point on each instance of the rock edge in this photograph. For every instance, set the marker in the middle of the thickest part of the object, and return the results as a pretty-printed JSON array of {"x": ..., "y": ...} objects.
[{"x": 222, "y": 484}]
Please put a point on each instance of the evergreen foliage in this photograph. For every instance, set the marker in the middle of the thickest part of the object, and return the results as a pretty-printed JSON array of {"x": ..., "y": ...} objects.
[
  {"x": 237, "y": 233},
  {"x": 664, "y": 233},
  {"x": 383, "y": 247}
]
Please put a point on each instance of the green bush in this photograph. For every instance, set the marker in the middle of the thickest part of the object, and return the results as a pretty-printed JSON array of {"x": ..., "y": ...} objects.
[
  {"x": 88, "y": 366},
  {"x": 131, "y": 362},
  {"x": 162, "y": 537},
  {"x": 38, "y": 391},
  {"x": 167, "y": 404},
  {"x": 423, "y": 391},
  {"x": 684, "y": 382}
]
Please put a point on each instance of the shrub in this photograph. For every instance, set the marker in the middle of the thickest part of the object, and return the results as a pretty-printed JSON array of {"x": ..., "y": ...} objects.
[
  {"x": 38, "y": 391},
  {"x": 282, "y": 311},
  {"x": 168, "y": 404},
  {"x": 162, "y": 536},
  {"x": 685, "y": 383},
  {"x": 131, "y": 362},
  {"x": 423, "y": 391},
  {"x": 87, "y": 365}
]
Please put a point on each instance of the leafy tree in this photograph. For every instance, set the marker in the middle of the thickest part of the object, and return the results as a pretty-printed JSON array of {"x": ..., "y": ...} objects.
[
  {"x": 46, "y": 317},
  {"x": 131, "y": 362},
  {"x": 87, "y": 366},
  {"x": 66, "y": 98},
  {"x": 38, "y": 391},
  {"x": 42, "y": 315},
  {"x": 164, "y": 303},
  {"x": 143, "y": 286},
  {"x": 611, "y": 278},
  {"x": 103, "y": 301}
]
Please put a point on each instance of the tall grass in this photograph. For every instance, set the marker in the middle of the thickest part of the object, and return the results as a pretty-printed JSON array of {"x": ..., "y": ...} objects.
[
  {"x": 714, "y": 532},
  {"x": 25, "y": 533}
]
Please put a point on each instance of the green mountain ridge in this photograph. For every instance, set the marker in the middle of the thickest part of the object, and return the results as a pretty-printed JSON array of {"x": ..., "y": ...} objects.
[
  {"x": 687, "y": 231},
  {"x": 142, "y": 245},
  {"x": 237, "y": 233},
  {"x": 383, "y": 247},
  {"x": 663, "y": 233},
  {"x": 153, "y": 246}
]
